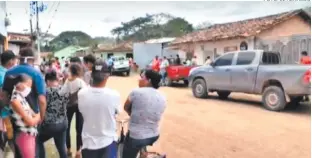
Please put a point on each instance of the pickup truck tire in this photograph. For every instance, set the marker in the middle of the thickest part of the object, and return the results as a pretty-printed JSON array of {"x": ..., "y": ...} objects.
[
  {"x": 223, "y": 94},
  {"x": 199, "y": 88},
  {"x": 273, "y": 98}
]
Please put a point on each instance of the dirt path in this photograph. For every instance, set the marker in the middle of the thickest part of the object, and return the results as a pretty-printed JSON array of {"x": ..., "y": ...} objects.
[{"x": 238, "y": 128}]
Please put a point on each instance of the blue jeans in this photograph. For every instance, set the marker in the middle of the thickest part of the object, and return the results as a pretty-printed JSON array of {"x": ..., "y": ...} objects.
[
  {"x": 106, "y": 152},
  {"x": 133, "y": 146},
  {"x": 163, "y": 74},
  {"x": 58, "y": 133}
]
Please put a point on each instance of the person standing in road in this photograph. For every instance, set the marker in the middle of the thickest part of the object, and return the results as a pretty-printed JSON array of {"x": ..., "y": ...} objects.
[
  {"x": 178, "y": 60},
  {"x": 194, "y": 61},
  {"x": 88, "y": 62},
  {"x": 71, "y": 87},
  {"x": 99, "y": 137},
  {"x": 208, "y": 61},
  {"x": 55, "y": 122},
  {"x": 156, "y": 64},
  {"x": 163, "y": 69},
  {"x": 110, "y": 63},
  {"x": 305, "y": 59}
]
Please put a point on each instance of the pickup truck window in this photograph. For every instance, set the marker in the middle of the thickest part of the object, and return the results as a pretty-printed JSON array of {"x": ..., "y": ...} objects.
[
  {"x": 225, "y": 60},
  {"x": 270, "y": 58},
  {"x": 245, "y": 58}
]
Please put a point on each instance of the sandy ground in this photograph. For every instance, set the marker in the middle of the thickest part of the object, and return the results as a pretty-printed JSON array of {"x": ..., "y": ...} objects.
[{"x": 212, "y": 128}]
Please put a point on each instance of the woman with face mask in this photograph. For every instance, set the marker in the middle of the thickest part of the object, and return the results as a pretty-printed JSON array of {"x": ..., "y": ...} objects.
[{"x": 24, "y": 118}]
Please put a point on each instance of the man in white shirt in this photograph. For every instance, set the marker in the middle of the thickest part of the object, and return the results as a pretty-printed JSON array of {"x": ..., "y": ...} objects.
[
  {"x": 99, "y": 105},
  {"x": 163, "y": 69}
]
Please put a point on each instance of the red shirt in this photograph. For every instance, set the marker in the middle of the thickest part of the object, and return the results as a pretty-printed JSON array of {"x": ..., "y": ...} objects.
[
  {"x": 156, "y": 65},
  {"x": 306, "y": 60}
]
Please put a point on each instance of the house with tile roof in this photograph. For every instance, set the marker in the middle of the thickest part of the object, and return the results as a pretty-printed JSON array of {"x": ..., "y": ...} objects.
[
  {"x": 288, "y": 33},
  {"x": 122, "y": 49}
]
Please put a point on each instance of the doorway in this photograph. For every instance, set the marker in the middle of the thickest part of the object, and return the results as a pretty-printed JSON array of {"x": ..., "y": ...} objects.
[
  {"x": 109, "y": 55},
  {"x": 129, "y": 55}
]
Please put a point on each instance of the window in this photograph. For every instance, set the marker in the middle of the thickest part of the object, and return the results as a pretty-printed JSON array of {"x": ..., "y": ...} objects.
[
  {"x": 245, "y": 58},
  {"x": 269, "y": 58},
  {"x": 224, "y": 60}
]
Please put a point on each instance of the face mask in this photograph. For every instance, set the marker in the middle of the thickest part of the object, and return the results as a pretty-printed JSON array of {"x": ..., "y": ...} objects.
[{"x": 26, "y": 91}]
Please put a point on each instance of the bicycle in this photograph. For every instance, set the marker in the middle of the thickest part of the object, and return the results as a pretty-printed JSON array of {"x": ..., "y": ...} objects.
[{"x": 143, "y": 152}]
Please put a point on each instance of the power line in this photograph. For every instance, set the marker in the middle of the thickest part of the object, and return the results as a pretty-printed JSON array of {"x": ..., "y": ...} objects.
[{"x": 55, "y": 11}]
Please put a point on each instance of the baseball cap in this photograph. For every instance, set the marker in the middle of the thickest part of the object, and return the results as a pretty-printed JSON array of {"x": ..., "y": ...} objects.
[{"x": 100, "y": 69}]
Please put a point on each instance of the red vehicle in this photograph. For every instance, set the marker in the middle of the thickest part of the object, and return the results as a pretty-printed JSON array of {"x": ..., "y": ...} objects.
[{"x": 175, "y": 73}]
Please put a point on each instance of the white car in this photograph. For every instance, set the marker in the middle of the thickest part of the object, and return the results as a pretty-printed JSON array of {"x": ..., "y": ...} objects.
[{"x": 121, "y": 65}]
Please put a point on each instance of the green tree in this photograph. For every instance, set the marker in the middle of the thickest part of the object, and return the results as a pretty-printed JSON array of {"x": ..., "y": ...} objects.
[{"x": 152, "y": 26}]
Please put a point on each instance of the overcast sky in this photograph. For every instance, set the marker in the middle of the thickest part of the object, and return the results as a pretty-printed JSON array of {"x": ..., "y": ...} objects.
[{"x": 99, "y": 18}]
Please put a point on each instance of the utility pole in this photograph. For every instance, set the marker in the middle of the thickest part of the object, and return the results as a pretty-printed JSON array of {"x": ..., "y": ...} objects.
[{"x": 38, "y": 33}]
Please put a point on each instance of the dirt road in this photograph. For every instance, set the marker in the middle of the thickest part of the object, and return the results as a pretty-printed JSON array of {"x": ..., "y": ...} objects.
[
  {"x": 211, "y": 128},
  {"x": 239, "y": 127}
]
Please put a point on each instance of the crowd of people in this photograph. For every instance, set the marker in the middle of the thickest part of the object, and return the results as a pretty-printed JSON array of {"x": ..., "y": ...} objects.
[{"x": 37, "y": 105}]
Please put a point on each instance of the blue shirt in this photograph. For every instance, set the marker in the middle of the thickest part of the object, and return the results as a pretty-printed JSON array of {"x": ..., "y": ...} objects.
[
  {"x": 3, "y": 70},
  {"x": 38, "y": 86},
  {"x": 110, "y": 62}
]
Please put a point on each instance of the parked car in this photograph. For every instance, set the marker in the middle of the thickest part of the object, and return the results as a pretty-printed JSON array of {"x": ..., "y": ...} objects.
[
  {"x": 121, "y": 65},
  {"x": 175, "y": 73},
  {"x": 253, "y": 72}
]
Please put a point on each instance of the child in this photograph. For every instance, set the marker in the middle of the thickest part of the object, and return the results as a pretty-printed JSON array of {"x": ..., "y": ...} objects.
[{"x": 25, "y": 120}]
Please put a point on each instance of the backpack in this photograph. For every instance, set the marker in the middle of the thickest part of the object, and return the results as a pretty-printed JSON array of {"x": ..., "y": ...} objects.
[{"x": 73, "y": 98}]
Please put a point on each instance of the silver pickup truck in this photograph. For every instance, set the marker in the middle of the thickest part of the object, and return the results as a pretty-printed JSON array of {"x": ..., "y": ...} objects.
[{"x": 253, "y": 72}]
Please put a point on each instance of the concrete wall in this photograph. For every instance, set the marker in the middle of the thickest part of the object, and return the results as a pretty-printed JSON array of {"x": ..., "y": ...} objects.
[{"x": 289, "y": 38}]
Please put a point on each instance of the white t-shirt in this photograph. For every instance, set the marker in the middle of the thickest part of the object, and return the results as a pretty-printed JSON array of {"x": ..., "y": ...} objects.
[
  {"x": 98, "y": 107},
  {"x": 72, "y": 86}
]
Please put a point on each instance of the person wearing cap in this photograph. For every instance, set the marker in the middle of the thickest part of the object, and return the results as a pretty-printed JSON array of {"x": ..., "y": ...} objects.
[
  {"x": 145, "y": 106},
  {"x": 99, "y": 106},
  {"x": 37, "y": 97},
  {"x": 8, "y": 60}
]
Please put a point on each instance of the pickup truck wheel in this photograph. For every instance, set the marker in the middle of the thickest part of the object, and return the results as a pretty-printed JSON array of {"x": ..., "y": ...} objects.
[
  {"x": 168, "y": 82},
  {"x": 273, "y": 98},
  {"x": 199, "y": 88},
  {"x": 223, "y": 94}
]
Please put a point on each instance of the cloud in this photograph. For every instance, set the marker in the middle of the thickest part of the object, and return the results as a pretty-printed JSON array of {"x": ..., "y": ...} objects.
[{"x": 99, "y": 18}]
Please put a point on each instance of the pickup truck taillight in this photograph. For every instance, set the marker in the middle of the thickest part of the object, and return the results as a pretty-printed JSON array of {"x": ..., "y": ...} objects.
[{"x": 307, "y": 77}]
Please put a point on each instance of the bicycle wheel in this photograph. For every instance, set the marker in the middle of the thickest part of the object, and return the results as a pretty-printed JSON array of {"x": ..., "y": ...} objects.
[{"x": 142, "y": 151}]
